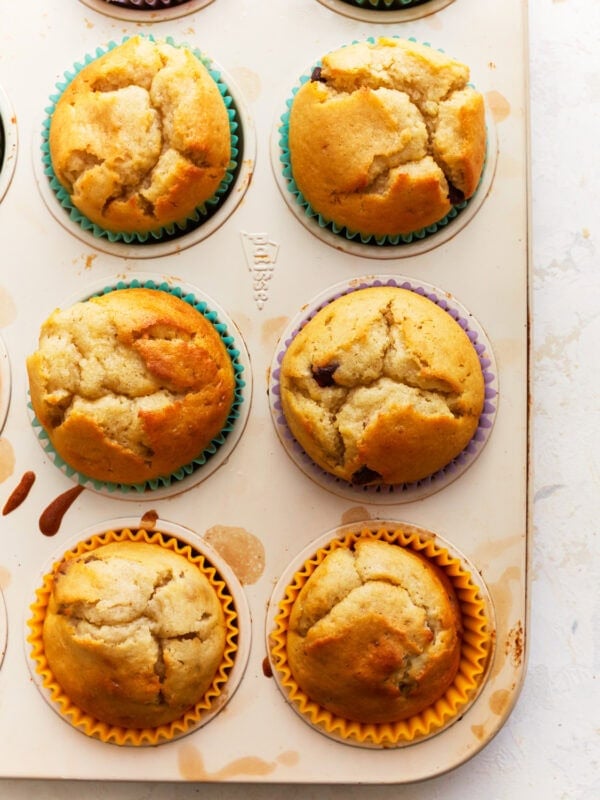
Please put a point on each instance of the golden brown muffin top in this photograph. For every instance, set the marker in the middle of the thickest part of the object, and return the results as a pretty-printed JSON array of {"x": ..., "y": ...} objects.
[
  {"x": 130, "y": 385},
  {"x": 140, "y": 137},
  {"x": 374, "y": 634},
  {"x": 134, "y": 633},
  {"x": 382, "y": 386},
  {"x": 387, "y": 136}
]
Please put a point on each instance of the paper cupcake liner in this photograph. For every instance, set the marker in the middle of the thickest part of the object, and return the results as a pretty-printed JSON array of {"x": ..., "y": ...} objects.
[
  {"x": 146, "y": 10},
  {"x": 389, "y": 493},
  {"x": 385, "y": 5},
  {"x": 206, "y": 461},
  {"x": 476, "y": 648},
  {"x": 201, "y": 712},
  {"x": 335, "y": 234},
  {"x": 167, "y": 232},
  {"x": 8, "y": 142}
]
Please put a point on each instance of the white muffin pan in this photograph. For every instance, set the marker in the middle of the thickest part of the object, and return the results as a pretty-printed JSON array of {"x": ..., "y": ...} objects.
[{"x": 263, "y": 267}]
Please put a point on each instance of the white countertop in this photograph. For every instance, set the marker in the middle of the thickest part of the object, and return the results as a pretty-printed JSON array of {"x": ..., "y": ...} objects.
[{"x": 550, "y": 747}]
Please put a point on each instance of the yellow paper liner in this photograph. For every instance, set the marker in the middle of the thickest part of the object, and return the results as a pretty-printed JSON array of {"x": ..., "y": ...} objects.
[
  {"x": 475, "y": 647},
  {"x": 113, "y": 733}
]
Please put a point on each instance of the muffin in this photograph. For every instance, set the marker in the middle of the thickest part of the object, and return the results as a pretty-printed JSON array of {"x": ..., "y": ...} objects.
[
  {"x": 132, "y": 385},
  {"x": 381, "y": 386},
  {"x": 381, "y": 635},
  {"x": 386, "y": 138},
  {"x": 133, "y": 635},
  {"x": 139, "y": 139}
]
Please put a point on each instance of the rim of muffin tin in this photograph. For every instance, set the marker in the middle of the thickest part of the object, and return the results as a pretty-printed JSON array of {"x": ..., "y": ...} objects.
[
  {"x": 194, "y": 231},
  {"x": 3, "y": 627},
  {"x": 8, "y": 142},
  {"x": 5, "y": 383},
  {"x": 324, "y": 541},
  {"x": 217, "y": 452},
  {"x": 145, "y": 12},
  {"x": 388, "y": 494},
  {"x": 367, "y": 13},
  {"x": 415, "y": 243},
  {"x": 185, "y": 536}
]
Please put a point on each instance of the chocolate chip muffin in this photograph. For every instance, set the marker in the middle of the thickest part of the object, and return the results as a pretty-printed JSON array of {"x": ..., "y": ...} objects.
[
  {"x": 374, "y": 634},
  {"x": 386, "y": 137},
  {"x": 134, "y": 633},
  {"x": 382, "y": 386},
  {"x": 130, "y": 385},
  {"x": 140, "y": 137}
]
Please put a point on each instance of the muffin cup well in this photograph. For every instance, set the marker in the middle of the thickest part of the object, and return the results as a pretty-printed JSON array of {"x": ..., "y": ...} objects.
[
  {"x": 476, "y": 648},
  {"x": 389, "y": 11},
  {"x": 237, "y": 643},
  {"x": 8, "y": 142},
  {"x": 385, "y": 493},
  {"x": 5, "y": 383},
  {"x": 194, "y": 223},
  {"x": 146, "y": 10},
  {"x": 220, "y": 448},
  {"x": 371, "y": 245}
]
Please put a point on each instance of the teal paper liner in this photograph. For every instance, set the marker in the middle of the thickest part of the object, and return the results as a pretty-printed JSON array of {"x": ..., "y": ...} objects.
[
  {"x": 201, "y": 214},
  {"x": 187, "y": 469},
  {"x": 341, "y": 230}
]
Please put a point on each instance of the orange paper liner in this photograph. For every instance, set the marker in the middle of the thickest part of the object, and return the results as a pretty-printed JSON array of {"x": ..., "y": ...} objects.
[
  {"x": 113, "y": 733},
  {"x": 475, "y": 647}
]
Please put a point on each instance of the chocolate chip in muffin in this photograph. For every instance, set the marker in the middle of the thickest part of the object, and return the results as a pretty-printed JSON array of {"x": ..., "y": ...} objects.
[
  {"x": 365, "y": 475},
  {"x": 324, "y": 375}
]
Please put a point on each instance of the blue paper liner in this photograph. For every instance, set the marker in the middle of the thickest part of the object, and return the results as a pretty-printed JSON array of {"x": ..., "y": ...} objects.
[
  {"x": 201, "y": 214},
  {"x": 341, "y": 230},
  {"x": 404, "y": 492},
  {"x": 163, "y": 481}
]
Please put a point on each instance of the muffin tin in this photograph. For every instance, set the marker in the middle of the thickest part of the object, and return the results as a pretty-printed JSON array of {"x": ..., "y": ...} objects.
[{"x": 263, "y": 267}]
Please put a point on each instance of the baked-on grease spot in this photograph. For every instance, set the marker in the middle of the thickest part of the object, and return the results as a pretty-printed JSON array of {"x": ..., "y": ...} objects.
[
  {"x": 4, "y": 578},
  {"x": 498, "y": 105},
  {"x": 355, "y": 514},
  {"x": 478, "y": 731},
  {"x": 191, "y": 766},
  {"x": 19, "y": 493},
  {"x": 515, "y": 645},
  {"x": 499, "y": 701},
  {"x": 266, "y": 667},
  {"x": 8, "y": 309},
  {"x": 271, "y": 330},
  {"x": 52, "y": 516},
  {"x": 149, "y": 519},
  {"x": 248, "y": 80},
  {"x": 7, "y": 460},
  {"x": 243, "y": 551}
]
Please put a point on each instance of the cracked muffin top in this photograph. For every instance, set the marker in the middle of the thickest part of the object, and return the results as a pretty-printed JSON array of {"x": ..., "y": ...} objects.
[
  {"x": 134, "y": 633},
  {"x": 386, "y": 137},
  {"x": 375, "y": 633},
  {"x": 140, "y": 137},
  {"x": 382, "y": 386},
  {"x": 130, "y": 385}
]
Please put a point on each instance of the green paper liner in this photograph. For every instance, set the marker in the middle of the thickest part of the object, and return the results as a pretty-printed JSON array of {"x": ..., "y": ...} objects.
[
  {"x": 163, "y": 481},
  {"x": 202, "y": 212},
  {"x": 341, "y": 230}
]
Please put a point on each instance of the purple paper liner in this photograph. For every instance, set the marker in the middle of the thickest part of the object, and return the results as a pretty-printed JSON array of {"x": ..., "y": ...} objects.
[{"x": 405, "y": 492}]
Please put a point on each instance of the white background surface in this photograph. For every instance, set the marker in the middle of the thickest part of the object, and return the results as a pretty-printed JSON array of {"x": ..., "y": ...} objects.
[{"x": 550, "y": 746}]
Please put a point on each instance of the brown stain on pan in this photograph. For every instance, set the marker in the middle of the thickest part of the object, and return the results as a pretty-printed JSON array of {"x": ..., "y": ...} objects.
[
  {"x": 7, "y": 460},
  {"x": 498, "y": 105},
  {"x": 19, "y": 493},
  {"x": 242, "y": 550},
  {"x": 8, "y": 309},
  {"x": 354, "y": 514},
  {"x": 192, "y": 768}
]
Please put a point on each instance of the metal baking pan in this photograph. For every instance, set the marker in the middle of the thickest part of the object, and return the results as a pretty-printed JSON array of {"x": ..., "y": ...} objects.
[{"x": 263, "y": 265}]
